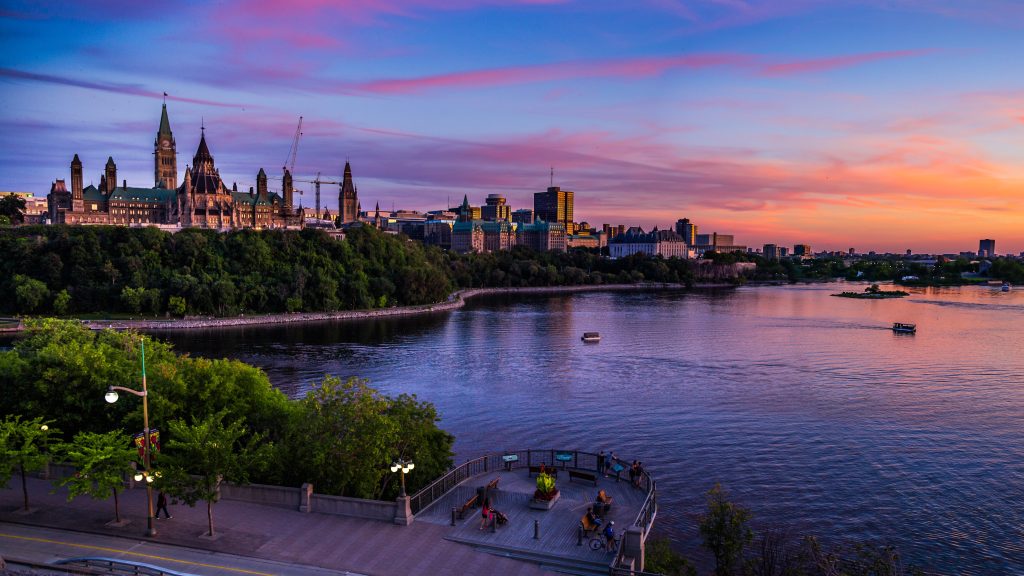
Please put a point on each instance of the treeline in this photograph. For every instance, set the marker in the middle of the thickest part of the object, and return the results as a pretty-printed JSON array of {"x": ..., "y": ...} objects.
[
  {"x": 521, "y": 266},
  {"x": 342, "y": 437},
  {"x": 83, "y": 270}
]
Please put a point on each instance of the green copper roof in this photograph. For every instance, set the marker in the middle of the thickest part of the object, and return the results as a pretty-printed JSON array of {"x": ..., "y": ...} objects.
[
  {"x": 165, "y": 124},
  {"x": 151, "y": 195}
]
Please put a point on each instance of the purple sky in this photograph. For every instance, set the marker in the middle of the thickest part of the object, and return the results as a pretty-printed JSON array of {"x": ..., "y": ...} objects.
[{"x": 881, "y": 125}]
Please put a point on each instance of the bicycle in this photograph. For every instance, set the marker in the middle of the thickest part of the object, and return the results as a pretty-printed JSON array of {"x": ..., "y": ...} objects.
[{"x": 598, "y": 541}]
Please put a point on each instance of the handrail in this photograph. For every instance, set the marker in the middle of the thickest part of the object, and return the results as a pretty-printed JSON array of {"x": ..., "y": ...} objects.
[{"x": 524, "y": 458}]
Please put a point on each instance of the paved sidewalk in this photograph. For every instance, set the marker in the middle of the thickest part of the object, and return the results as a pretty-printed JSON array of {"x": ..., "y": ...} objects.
[{"x": 279, "y": 534}]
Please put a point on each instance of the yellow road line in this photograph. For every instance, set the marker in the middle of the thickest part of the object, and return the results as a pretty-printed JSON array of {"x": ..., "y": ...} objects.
[{"x": 129, "y": 553}]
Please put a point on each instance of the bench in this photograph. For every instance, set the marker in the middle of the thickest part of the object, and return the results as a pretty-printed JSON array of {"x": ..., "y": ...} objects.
[
  {"x": 577, "y": 475},
  {"x": 588, "y": 526},
  {"x": 553, "y": 472},
  {"x": 493, "y": 484},
  {"x": 471, "y": 503}
]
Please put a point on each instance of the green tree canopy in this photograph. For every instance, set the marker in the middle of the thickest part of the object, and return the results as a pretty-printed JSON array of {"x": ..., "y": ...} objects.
[
  {"x": 725, "y": 531},
  {"x": 101, "y": 461},
  {"x": 25, "y": 444}
]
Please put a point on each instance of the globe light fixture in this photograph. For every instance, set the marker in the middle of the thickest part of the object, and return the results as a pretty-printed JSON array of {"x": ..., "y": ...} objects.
[
  {"x": 405, "y": 466},
  {"x": 110, "y": 396}
]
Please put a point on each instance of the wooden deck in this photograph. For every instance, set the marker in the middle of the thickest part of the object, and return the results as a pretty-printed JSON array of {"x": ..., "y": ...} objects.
[{"x": 557, "y": 527}]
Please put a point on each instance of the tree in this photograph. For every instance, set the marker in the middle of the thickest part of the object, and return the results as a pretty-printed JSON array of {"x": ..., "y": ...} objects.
[
  {"x": 176, "y": 305},
  {"x": 29, "y": 293},
  {"x": 13, "y": 207},
  {"x": 25, "y": 444},
  {"x": 62, "y": 302},
  {"x": 199, "y": 457},
  {"x": 724, "y": 530},
  {"x": 660, "y": 558},
  {"x": 100, "y": 461}
]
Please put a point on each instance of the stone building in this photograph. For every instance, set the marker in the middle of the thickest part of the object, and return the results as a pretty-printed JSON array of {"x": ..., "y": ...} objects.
[
  {"x": 202, "y": 200},
  {"x": 664, "y": 243}
]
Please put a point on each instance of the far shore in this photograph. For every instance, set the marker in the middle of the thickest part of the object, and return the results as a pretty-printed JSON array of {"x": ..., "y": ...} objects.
[{"x": 455, "y": 301}]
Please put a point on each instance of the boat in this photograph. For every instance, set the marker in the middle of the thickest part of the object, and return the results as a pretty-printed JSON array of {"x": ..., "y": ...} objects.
[
  {"x": 591, "y": 337},
  {"x": 1005, "y": 287},
  {"x": 903, "y": 328}
]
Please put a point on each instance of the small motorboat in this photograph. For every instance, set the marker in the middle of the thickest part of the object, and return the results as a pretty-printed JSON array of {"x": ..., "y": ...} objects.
[
  {"x": 1005, "y": 287},
  {"x": 591, "y": 337},
  {"x": 903, "y": 328}
]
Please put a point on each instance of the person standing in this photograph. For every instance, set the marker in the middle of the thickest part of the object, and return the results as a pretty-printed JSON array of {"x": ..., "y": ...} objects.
[
  {"x": 161, "y": 504},
  {"x": 600, "y": 463}
]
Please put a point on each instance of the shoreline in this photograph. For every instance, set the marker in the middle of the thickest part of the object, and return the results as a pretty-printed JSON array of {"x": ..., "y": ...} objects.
[{"x": 455, "y": 301}]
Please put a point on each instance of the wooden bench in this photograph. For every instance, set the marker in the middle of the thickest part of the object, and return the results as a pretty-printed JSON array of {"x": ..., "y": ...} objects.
[
  {"x": 493, "y": 484},
  {"x": 471, "y": 503},
  {"x": 553, "y": 472},
  {"x": 588, "y": 526},
  {"x": 577, "y": 475}
]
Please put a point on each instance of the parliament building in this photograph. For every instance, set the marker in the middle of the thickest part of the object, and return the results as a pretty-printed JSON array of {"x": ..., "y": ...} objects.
[{"x": 201, "y": 200}]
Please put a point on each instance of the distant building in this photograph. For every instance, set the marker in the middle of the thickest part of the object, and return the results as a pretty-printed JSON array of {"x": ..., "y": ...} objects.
[
  {"x": 596, "y": 240},
  {"x": 496, "y": 209},
  {"x": 555, "y": 205},
  {"x": 542, "y": 236},
  {"x": 498, "y": 235},
  {"x": 523, "y": 216},
  {"x": 466, "y": 212},
  {"x": 687, "y": 231},
  {"x": 348, "y": 197},
  {"x": 665, "y": 243},
  {"x": 986, "y": 248},
  {"x": 770, "y": 252},
  {"x": 468, "y": 236},
  {"x": 716, "y": 242},
  {"x": 802, "y": 250},
  {"x": 35, "y": 207}
]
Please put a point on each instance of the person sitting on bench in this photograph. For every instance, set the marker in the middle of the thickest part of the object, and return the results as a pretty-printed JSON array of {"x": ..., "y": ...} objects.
[{"x": 603, "y": 502}]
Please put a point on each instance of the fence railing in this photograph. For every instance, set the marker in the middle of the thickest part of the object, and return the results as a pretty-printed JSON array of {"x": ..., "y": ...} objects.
[
  {"x": 119, "y": 567},
  {"x": 514, "y": 459}
]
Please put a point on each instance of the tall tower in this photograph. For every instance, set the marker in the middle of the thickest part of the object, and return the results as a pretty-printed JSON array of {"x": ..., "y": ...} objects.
[
  {"x": 261, "y": 185},
  {"x": 165, "y": 157},
  {"x": 77, "y": 201},
  {"x": 110, "y": 174},
  {"x": 348, "y": 200},
  {"x": 287, "y": 190}
]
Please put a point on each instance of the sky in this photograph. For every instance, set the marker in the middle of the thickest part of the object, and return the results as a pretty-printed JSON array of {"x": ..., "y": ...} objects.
[{"x": 881, "y": 125}]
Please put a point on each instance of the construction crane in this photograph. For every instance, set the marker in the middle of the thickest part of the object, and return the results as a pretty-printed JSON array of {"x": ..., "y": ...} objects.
[
  {"x": 289, "y": 162},
  {"x": 317, "y": 182}
]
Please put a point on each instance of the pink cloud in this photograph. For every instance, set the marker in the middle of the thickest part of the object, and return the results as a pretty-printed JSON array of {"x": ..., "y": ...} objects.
[{"x": 837, "y": 62}]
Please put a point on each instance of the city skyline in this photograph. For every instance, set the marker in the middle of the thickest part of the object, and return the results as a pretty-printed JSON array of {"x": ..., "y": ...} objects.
[{"x": 878, "y": 125}]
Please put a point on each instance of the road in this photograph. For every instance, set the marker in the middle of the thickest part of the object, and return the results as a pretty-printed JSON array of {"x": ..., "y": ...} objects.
[{"x": 45, "y": 545}]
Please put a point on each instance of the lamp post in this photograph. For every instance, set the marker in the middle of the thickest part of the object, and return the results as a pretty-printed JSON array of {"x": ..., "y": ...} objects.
[
  {"x": 111, "y": 397},
  {"x": 405, "y": 466}
]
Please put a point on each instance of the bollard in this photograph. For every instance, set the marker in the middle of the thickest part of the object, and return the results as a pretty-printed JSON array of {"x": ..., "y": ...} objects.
[
  {"x": 453, "y": 515},
  {"x": 536, "y": 529},
  {"x": 579, "y": 535}
]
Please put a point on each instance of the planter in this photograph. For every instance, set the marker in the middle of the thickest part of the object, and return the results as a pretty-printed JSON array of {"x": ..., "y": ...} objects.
[{"x": 545, "y": 504}]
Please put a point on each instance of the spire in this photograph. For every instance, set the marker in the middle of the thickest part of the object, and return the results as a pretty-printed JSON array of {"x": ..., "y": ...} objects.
[
  {"x": 110, "y": 160},
  {"x": 203, "y": 160},
  {"x": 165, "y": 124},
  {"x": 465, "y": 202},
  {"x": 348, "y": 170},
  {"x": 75, "y": 161}
]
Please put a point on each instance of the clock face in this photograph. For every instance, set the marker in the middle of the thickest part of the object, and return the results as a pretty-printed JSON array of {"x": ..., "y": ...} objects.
[{"x": 165, "y": 143}]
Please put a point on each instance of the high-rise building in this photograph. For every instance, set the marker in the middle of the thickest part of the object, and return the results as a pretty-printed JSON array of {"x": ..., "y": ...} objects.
[
  {"x": 687, "y": 230},
  {"x": 523, "y": 216},
  {"x": 555, "y": 205},
  {"x": 496, "y": 209},
  {"x": 802, "y": 250},
  {"x": 986, "y": 248},
  {"x": 770, "y": 252}
]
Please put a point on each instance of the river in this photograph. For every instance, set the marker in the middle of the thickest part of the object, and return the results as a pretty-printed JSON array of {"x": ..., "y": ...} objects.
[{"x": 808, "y": 409}]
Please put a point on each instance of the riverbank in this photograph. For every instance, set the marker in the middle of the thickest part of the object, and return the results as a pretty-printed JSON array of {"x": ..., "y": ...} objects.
[{"x": 455, "y": 301}]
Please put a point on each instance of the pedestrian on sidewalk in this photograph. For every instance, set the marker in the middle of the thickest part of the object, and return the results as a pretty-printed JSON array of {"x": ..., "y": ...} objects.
[{"x": 161, "y": 504}]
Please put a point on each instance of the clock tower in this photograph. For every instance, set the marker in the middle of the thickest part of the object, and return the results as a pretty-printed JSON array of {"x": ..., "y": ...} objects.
[{"x": 165, "y": 160}]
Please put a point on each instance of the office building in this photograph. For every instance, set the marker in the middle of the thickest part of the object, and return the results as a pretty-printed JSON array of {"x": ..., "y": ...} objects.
[
  {"x": 555, "y": 205},
  {"x": 986, "y": 248},
  {"x": 496, "y": 209}
]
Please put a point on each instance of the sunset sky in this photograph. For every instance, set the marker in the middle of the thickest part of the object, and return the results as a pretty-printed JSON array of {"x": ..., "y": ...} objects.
[{"x": 881, "y": 124}]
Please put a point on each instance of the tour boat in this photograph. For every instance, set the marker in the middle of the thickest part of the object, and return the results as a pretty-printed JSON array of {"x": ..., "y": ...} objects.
[
  {"x": 1006, "y": 287},
  {"x": 592, "y": 337},
  {"x": 902, "y": 328}
]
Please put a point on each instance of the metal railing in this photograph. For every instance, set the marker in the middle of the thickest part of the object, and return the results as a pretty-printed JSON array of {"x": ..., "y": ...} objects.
[{"x": 574, "y": 459}]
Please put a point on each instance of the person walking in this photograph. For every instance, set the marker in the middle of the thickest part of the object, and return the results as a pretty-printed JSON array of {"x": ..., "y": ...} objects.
[{"x": 161, "y": 504}]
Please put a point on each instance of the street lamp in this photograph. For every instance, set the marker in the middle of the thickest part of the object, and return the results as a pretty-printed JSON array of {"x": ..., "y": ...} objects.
[
  {"x": 405, "y": 466},
  {"x": 111, "y": 397}
]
